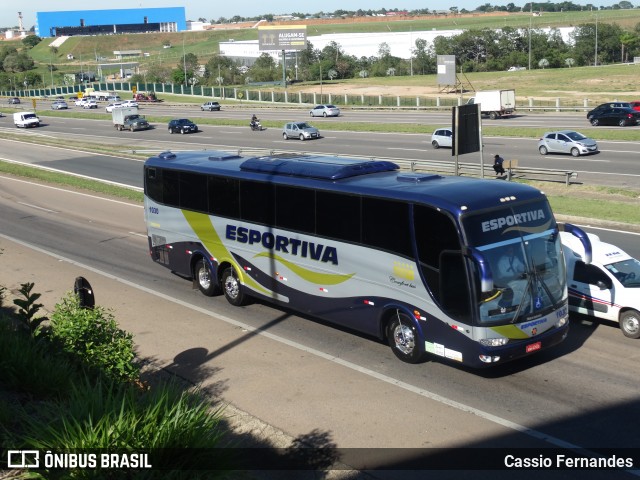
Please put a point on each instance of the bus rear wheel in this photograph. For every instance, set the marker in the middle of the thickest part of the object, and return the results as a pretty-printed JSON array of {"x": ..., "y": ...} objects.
[
  {"x": 403, "y": 338},
  {"x": 205, "y": 280},
  {"x": 232, "y": 288}
]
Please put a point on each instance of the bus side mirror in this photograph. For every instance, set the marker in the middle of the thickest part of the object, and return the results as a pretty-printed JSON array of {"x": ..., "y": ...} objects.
[
  {"x": 582, "y": 236},
  {"x": 484, "y": 269}
]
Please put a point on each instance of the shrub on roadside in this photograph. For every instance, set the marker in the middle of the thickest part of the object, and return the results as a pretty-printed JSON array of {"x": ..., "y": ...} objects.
[{"x": 92, "y": 337}]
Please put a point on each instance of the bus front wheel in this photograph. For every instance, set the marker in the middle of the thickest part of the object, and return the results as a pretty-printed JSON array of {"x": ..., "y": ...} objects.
[
  {"x": 403, "y": 338},
  {"x": 205, "y": 280},
  {"x": 232, "y": 288}
]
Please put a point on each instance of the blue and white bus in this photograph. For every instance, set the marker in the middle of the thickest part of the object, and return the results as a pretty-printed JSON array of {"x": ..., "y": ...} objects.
[{"x": 410, "y": 258}]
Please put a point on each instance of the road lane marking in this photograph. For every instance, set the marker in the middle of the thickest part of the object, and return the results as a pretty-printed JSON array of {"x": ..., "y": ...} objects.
[{"x": 37, "y": 207}]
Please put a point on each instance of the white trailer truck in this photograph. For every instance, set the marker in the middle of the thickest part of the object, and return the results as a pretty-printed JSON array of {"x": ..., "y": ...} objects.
[{"x": 495, "y": 103}]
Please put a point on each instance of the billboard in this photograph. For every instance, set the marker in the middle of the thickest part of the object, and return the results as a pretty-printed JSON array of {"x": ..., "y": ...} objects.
[
  {"x": 293, "y": 37},
  {"x": 446, "y": 69}
]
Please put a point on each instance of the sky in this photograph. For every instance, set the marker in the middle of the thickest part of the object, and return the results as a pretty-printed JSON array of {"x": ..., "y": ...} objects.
[{"x": 209, "y": 10}]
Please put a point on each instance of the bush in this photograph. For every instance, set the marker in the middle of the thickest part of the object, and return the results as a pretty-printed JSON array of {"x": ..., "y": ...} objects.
[
  {"x": 101, "y": 414},
  {"x": 29, "y": 366},
  {"x": 93, "y": 338}
]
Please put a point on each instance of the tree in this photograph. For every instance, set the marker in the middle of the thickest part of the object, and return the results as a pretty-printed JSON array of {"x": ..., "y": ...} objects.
[
  {"x": 19, "y": 62},
  {"x": 543, "y": 63},
  {"x": 31, "y": 41}
]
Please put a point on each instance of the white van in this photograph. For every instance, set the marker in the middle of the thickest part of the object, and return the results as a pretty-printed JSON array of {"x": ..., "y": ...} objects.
[
  {"x": 26, "y": 119},
  {"x": 606, "y": 286}
]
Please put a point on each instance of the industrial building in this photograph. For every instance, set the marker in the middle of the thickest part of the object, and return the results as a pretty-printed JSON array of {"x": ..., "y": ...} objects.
[{"x": 110, "y": 22}]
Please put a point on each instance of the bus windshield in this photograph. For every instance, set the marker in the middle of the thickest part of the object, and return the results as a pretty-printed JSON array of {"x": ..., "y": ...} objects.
[{"x": 523, "y": 250}]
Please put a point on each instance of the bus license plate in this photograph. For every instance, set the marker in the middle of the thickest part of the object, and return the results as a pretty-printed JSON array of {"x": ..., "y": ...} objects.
[{"x": 534, "y": 346}]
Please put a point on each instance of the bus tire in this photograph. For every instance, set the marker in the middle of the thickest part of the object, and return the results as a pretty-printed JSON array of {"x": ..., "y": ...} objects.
[
  {"x": 205, "y": 280},
  {"x": 403, "y": 338},
  {"x": 232, "y": 288},
  {"x": 630, "y": 324}
]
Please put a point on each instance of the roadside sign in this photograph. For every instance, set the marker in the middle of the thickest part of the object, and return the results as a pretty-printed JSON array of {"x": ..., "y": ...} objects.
[
  {"x": 134, "y": 89},
  {"x": 33, "y": 102}
]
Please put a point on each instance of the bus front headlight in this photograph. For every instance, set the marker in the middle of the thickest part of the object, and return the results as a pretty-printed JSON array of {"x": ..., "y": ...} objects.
[{"x": 562, "y": 322}]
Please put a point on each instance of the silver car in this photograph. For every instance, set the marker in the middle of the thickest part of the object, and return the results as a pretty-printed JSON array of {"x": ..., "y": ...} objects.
[
  {"x": 301, "y": 130},
  {"x": 59, "y": 105},
  {"x": 324, "y": 111},
  {"x": 567, "y": 141},
  {"x": 442, "y": 137}
]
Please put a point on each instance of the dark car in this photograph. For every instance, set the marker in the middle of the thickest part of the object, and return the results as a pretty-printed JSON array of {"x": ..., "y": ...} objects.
[
  {"x": 14, "y": 101},
  {"x": 182, "y": 125},
  {"x": 621, "y": 116},
  {"x": 605, "y": 107}
]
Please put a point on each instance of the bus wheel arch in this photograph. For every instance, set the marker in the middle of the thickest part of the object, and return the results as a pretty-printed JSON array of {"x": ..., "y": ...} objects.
[
  {"x": 204, "y": 277},
  {"x": 232, "y": 286},
  {"x": 403, "y": 336}
]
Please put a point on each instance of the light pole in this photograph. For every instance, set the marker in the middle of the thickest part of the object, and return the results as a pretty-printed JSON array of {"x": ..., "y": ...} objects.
[
  {"x": 530, "y": 19},
  {"x": 184, "y": 62},
  {"x": 595, "y": 60}
]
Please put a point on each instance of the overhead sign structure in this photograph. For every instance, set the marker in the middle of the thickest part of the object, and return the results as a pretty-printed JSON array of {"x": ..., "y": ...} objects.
[{"x": 292, "y": 37}]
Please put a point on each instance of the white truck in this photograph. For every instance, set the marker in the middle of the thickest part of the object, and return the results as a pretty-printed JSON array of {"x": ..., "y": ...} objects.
[
  {"x": 603, "y": 282},
  {"x": 26, "y": 119},
  {"x": 495, "y": 103},
  {"x": 127, "y": 118}
]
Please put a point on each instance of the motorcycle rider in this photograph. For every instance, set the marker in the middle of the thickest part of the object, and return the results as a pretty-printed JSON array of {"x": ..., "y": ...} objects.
[{"x": 254, "y": 122}]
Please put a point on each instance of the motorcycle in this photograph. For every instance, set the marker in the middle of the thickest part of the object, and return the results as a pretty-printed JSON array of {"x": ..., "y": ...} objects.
[{"x": 255, "y": 125}]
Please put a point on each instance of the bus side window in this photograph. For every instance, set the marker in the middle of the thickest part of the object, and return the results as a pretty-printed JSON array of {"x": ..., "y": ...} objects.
[
  {"x": 295, "y": 209},
  {"x": 153, "y": 184},
  {"x": 224, "y": 196},
  {"x": 440, "y": 259}
]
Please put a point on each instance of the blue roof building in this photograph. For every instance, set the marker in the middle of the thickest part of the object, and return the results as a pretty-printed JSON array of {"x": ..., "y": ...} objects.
[{"x": 109, "y": 22}]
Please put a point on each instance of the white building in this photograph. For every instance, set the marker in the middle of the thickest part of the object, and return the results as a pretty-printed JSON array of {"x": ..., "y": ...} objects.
[{"x": 357, "y": 44}]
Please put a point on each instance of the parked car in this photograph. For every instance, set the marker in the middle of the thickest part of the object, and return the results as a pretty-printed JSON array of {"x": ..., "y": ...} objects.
[
  {"x": 211, "y": 106},
  {"x": 114, "y": 98},
  {"x": 605, "y": 107},
  {"x": 301, "y": 130},
  {"x": 566, "y": 141},
  {"x": 442, "y": 137},
  {"x": 89, "y": 104},
  {"x": 130, "y": 103},
  {"x": 109, "y": 108},
  {"x": 14, "y": 101},
  {"x": 59, "y": 105},
  {"x": 182, "y": 125},
  {"x": 325, "y": 111},
  {"x": 621, "y": 116}
]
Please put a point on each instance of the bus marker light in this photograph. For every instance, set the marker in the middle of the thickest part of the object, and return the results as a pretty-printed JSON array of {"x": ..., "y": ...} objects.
[
  {"x": 369, "y": 302},
  {"x": 416, "y": 314},
  {"x": 247, "y": 269},
  {"x": 322, "y": 289},
  {"x": 189, "y": 252}
]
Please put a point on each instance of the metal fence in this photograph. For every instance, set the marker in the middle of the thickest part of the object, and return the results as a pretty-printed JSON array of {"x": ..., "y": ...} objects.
[{"x": 284, "y": 97}]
